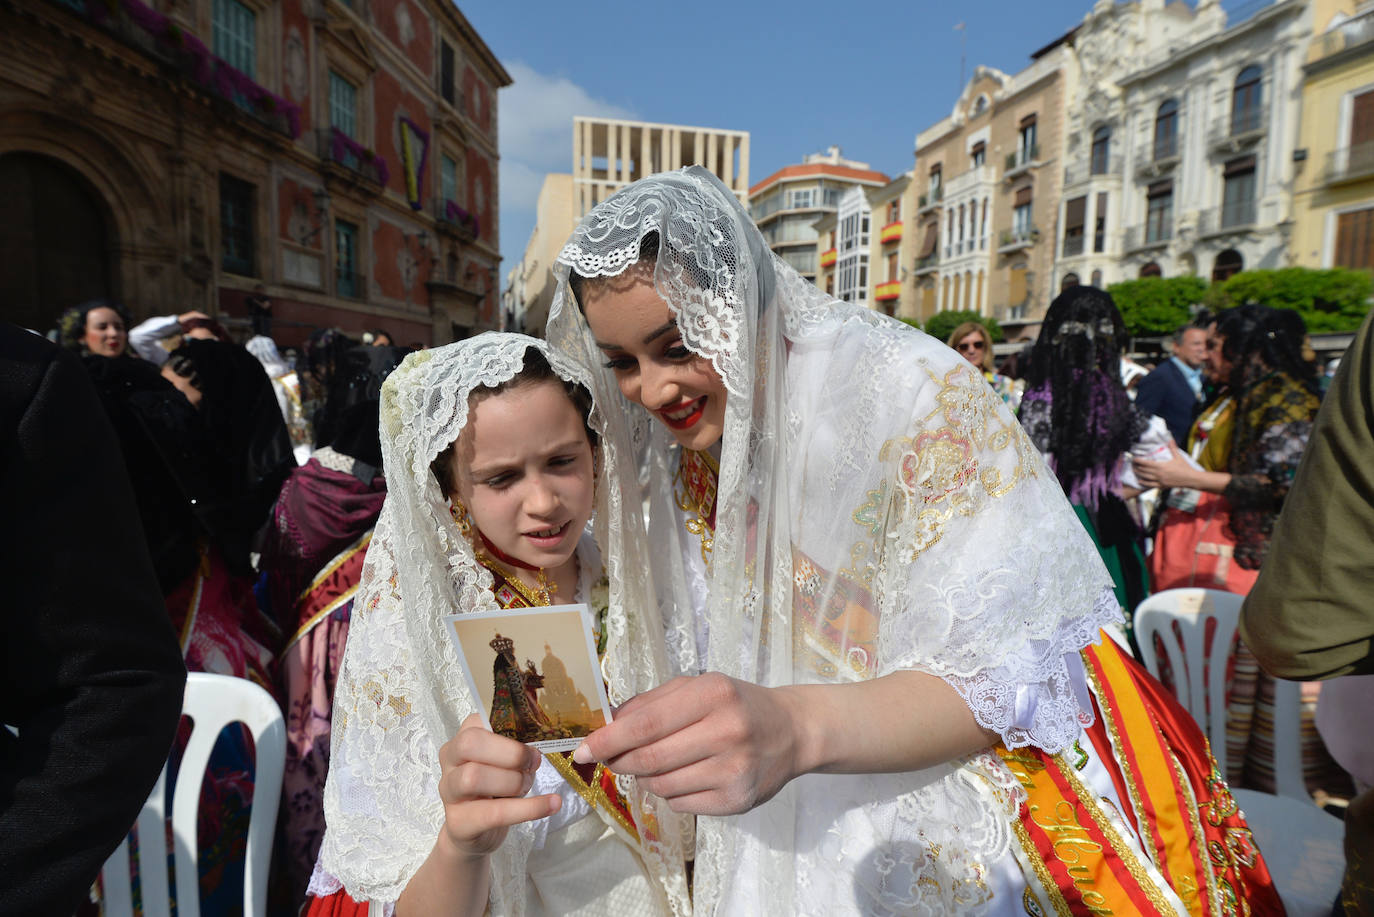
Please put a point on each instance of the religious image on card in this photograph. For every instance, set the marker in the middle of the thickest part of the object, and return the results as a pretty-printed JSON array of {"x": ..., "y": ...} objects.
[{"x": 534, "y": 673}]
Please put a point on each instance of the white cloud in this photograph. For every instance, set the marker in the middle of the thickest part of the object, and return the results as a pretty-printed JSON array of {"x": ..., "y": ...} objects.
[{"x": 536, "y": 118}]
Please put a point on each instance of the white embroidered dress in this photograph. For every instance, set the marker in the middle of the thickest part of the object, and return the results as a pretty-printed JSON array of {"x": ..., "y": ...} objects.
[{"x": 878, "y": 509}]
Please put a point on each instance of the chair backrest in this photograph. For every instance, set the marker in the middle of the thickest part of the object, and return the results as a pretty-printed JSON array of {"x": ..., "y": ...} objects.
[
  {"x": 212, "y": 702},
  {"x": 1198, "y": 670}
]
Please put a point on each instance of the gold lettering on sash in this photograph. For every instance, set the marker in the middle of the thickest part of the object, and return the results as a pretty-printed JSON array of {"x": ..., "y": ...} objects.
[{"x": 1071, "y": 842}]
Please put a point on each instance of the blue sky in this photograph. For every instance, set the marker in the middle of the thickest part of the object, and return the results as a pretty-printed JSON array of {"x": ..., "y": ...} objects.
[{"x": 798, "y": 76}]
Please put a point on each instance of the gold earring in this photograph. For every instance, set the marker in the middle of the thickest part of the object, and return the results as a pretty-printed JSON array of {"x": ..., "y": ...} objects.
[{"x": 460, "y": 516}]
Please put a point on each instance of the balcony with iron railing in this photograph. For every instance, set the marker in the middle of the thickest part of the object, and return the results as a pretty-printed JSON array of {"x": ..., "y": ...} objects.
[
  {"x": 1073, "y": 244},
  {"x": 1147, "y": 235},
  {"x": 1349, "y": 164},
  {"x": 1013, "y": 240},
  {"x": 1021, "y": 161},
  {"x": 1241, "y": 127},
  {"x": 928, "y": 264},
  {"x": 350, "y": 159},
  {"x": 1232, "y": 216},
  {"x": 1157, "y": 157},
  {"x": 454, "y": 220},
  {"x": 892, "y": 232},
  {"x": 930, "y": 200}
]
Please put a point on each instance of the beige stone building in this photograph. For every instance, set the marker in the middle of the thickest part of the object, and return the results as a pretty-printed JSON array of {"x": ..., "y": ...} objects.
[
  {"x": 609, "y": 154},
  {"x": 1333, "y": 198},
  {"x": 987, "y": 181},
  {"x": 786, "y": 204},
  {"x": 530, "y": 285}
]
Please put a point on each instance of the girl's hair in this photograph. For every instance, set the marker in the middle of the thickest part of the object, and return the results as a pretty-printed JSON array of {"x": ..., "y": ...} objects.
[
  {"x": 964, "y": 331},
  {"x": 72, "y": 324},
  {"x": 535, "y": 371}
]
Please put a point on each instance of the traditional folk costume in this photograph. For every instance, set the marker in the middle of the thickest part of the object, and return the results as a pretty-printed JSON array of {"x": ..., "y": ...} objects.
[
  {"x": 610, "y": 849},
  {"x": 874, "y": 507},
  {"x": 312, "y": 553}
]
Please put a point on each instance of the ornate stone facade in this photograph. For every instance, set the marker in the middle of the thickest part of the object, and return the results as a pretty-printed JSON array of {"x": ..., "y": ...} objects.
[
  {"x": 176, "y": 154},
  {"x": 1179, "y": 141}
]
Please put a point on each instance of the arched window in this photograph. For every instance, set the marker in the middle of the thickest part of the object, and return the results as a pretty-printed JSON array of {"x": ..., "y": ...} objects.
[
  {"x": 1246, "y": 100},
  {"x": 1101, "y": 143},
  {"x": 1097, "y": 279},
  {"x": 1166, "y": 129},
  {"x": 1228, "y": 262},
  {"x": 1151, "y": 269},
  {"x": 1070, "y": 280}
]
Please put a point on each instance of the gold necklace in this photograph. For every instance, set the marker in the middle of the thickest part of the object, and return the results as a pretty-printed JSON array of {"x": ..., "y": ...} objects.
[{"x": 694, "y": 491}]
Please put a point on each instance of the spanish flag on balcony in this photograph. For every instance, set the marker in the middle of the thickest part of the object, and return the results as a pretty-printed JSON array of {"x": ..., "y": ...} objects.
[{"x": 414, "y": 153}]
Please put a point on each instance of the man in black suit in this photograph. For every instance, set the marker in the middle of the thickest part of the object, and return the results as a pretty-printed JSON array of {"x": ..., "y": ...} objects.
[
  {"x": 1174, "y": 389},
  {"x": 92, "y": 675}
]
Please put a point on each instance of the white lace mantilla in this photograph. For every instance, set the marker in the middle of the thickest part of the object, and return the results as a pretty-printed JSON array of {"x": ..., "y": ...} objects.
[
  {"x": 878, "y": 509},
  {"x": 401, "y": 692}
]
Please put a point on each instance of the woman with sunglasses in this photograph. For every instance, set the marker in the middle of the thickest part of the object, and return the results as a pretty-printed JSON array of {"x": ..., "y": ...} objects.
[{"x": 974, "y": 344}]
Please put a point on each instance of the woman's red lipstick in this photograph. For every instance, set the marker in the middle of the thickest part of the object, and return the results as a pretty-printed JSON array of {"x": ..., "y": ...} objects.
[{"x": 688, "y": 421}]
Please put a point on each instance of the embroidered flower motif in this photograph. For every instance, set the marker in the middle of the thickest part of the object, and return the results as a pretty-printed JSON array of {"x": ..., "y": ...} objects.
[
  {"x": 938, "y": 464},
  {"x": 870, "y": 512}
]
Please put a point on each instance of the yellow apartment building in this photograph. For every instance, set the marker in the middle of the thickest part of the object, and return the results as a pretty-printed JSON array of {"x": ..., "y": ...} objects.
[
  {"x": 988, "y": 182},
  {"x": 1333, "y": 197}
]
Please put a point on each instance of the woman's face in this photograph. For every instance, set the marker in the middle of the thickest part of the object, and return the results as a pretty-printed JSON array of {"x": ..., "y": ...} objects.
[
  {"x": 639, "y": 336},
  {"x": 105, "y": 332},
  {"x": 973, "y": 347},
  {"x": 1218, "y": 367},
  {"x": 524, "y": 469}
]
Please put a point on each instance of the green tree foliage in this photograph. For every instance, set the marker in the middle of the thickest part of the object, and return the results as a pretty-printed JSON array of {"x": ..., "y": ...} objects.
[
  {"x": 1157, "y": 305},
  {"x": 1328, "y": 300},
  {"x": 942, "y": 324}
]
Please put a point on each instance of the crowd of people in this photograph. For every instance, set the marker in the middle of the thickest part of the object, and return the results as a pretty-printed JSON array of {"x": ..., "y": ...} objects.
[{"x": 857, "y": 596}]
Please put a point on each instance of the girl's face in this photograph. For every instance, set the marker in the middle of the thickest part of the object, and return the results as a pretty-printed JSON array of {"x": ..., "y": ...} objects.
[
  {"x": 638, "y": 334},
  {"x": 105, "y": 332},
  {"x": 525, "y": 470}
]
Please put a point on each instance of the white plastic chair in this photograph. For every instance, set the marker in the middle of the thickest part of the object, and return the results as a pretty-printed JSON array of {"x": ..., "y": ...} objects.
[
  {"x": 212, "y": 702},
  {"x": 1302, "y": 845},
  {"x": 1191, "y": 609}
]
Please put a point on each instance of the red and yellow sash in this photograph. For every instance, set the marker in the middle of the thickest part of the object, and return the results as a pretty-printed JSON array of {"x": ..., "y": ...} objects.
[
  {"x": 594, "y": 783},
  {"x": 1160, "y": 763},
  {"x": 336, "y": 584}
]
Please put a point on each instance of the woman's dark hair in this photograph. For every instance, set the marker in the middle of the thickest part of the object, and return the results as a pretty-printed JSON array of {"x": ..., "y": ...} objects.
[
  {"x": 648, "y": 254},
  {"x": 1078, "y": 356},
  {"x": 535, "y": 371},
  {"x": 72, "y": 325},
  {"x": 1259, "y": 339}
]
